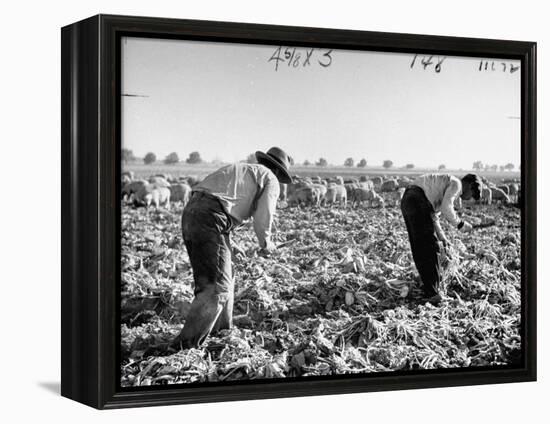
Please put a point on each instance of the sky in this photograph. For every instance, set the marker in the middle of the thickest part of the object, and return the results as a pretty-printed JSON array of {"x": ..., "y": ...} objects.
[{"x": 229, "y": 100}]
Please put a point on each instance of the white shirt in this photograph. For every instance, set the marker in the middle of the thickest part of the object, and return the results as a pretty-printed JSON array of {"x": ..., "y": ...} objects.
[
  {"x": 441, "y": 190},
  {"x": 246, "y": 190}
]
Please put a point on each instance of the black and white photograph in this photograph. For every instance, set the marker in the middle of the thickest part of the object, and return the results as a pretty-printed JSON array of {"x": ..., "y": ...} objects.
[{"x": 295, "y": 212}]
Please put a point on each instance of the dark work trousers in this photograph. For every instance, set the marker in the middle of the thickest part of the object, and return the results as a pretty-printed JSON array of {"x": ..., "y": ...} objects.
[
  {"x": 418, "y": 213},
  {"x": 206, "y": 228}
]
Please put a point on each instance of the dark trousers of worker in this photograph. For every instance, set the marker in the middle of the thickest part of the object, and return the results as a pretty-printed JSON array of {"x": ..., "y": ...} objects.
[
  {"x": 206, "y": 228},
  {"x": 418, "y": 213}
]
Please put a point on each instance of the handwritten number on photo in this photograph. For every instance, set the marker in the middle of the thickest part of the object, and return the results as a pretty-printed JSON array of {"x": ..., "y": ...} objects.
[
  {"x": 438, "y": 66},
  {"x": 427, "y": 61},
  {"x": 491, "y": 65},
  {"x": 294, "y": 57},
  {"x": 326, "y": 55},
  {"x": 276, "y": 56}
]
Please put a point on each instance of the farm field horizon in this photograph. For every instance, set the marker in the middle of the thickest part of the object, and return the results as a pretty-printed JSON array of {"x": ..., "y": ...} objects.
[{"x": 201, "y": 170}]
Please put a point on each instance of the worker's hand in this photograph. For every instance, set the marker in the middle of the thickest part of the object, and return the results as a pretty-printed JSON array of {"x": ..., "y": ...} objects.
[
  {"x": 268, "y": 248},
  {"x": 466, "y": 228}
]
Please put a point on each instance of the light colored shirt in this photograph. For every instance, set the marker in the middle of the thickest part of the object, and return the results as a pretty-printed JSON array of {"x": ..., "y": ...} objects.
[
  {"x": 441, "y": 190},
  {"x": 246, "y": 190}
]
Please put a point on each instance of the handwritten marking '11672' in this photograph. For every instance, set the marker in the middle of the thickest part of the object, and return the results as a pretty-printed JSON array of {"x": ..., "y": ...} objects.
[
  {"x": 486, "y": 65},
  {"x": 294, "y": 57}
]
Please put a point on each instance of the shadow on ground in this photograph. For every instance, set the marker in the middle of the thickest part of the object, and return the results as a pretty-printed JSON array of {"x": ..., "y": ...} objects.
[{"x": 51, "y": 386}]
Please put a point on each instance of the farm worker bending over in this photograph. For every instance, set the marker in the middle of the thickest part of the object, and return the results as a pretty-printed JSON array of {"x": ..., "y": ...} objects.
[
  {"x": 222, "y": 201},
  {"x": 423, "y": 201}
]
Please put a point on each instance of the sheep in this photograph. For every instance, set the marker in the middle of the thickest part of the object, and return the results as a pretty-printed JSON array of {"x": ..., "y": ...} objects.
[
  {"x": 180, "y": 193},
  {"x": 336, "y": 193},
  {"x": 389, "y": 186},
  {"x": 361, "y": 195},
  {"x": 151, "y": 194}
]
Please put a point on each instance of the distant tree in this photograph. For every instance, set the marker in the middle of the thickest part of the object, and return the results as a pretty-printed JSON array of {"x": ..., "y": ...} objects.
[
  {"x": 307, "y": 163},
  {"x": 251, "y": 158},
  {"x": 348, "y": 162},
  {"x": 387, "y": 164},
  {"x": 494, "y": 168},
  {"x": 409, "y": 166},
  {"x": 321, "y": 162},
  {"x": 171, "y": 158},
  {"x": 478, "y": 165},
  {"x": 362, "y": 163},
  {"x": 194, "y": 157},
  {"x": 486, "y": 167},
  {"x": 509, "y": 166},
  {"x": 127, "y": 155},
  {"x": 501, "y": 168},
  {"x": 149, "y": 158},
  {"x": 441, "y": 167}
]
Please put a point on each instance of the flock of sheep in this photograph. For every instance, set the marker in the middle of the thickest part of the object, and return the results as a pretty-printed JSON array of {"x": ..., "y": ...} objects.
[
  {"x": 161, "y": 189},
  {"x": 158, "y": 190},
  {"x": 318, "y": 191},
  {"x": 508, "y": 191},
  {"x": 336, "y": 190}
]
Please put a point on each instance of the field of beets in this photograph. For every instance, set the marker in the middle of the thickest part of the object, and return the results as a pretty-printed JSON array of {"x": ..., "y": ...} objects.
[{"x": 341, "y": 295}]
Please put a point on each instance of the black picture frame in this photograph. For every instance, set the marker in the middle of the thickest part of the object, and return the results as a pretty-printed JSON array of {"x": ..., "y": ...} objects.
[{"x": 90, "y": 140}]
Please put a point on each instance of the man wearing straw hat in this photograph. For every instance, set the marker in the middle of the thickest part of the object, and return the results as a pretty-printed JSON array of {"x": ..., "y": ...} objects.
[
  {"x": 424, "y": 200},
  {"x": 222, "y": 201}
]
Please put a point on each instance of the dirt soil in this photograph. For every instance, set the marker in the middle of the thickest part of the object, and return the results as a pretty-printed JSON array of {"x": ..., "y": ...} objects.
[{"x": 342, "y": 296}]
